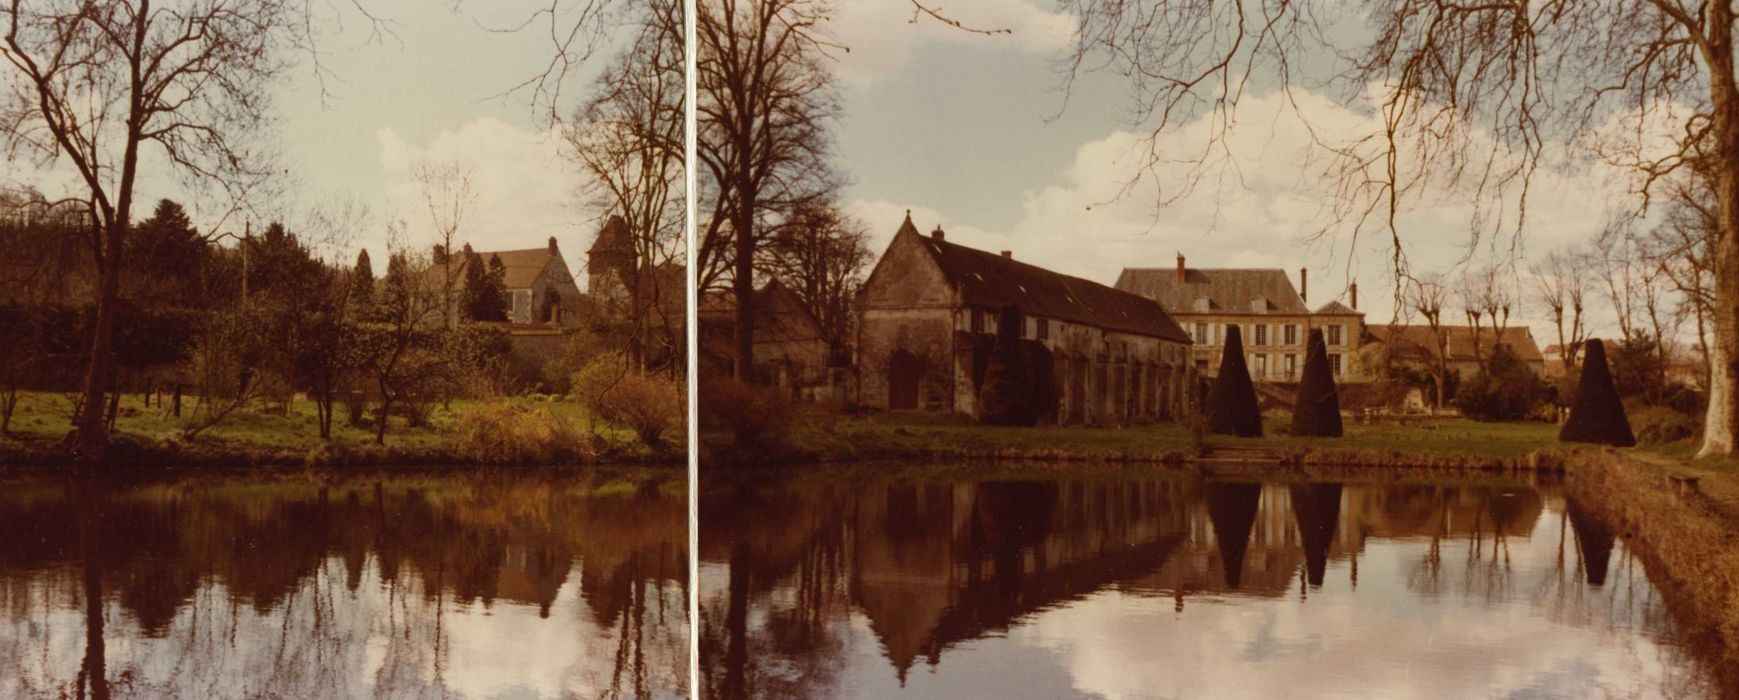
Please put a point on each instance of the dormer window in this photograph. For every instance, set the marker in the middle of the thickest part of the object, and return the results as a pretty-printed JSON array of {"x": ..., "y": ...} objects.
[{"x": 1200, "y": 304}]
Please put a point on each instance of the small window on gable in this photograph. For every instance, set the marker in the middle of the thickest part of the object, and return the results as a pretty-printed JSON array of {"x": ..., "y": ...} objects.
[{"x": 1043, "y": 329}]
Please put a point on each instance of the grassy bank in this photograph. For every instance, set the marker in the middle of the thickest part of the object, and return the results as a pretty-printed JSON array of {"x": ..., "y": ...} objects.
[
  {"x": 261, "y": 435},
  {"x": 1686, "y": 540},
  {"x": 913, "y": 436}
]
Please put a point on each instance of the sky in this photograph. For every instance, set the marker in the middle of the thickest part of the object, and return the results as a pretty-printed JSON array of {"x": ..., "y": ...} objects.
[
  {"x": 431, "y": 91},
  {"x": 972, "y": 133}
]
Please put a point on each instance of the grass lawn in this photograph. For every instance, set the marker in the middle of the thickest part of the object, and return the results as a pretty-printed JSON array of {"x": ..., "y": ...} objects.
[
  {"x": 43, "y": 416},
  {"x": 893, "y": 435}
]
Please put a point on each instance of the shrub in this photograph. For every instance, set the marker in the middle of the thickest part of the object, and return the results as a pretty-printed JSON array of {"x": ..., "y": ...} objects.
[
  {"x": 1008, "y": 396},
  {"x": 1656, "y": 425},
  {"x": 754, "y": 416},
  {"x": 1505, "y": 390},
  {"x": 1232, "y": 402},
  {"x": 1316, "y": 411},
  {"x": 1598, "y": 416},
  {"x": 644, "y": 403},
  {"x": 501, "y": 433}
]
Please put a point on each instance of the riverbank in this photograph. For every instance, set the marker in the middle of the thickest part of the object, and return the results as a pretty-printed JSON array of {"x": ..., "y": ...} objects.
[
  {"x": 1451, "y": 443},
  {"x": 260, "y": 437},
  {"x": 1682, "y": 518}
]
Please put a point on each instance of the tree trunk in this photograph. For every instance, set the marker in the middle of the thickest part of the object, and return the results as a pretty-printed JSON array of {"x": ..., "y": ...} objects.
[
  {"x": 92, "y": 431},
  {"x": 743, "y": 286},
  {"x": 1721, "y": 424}
]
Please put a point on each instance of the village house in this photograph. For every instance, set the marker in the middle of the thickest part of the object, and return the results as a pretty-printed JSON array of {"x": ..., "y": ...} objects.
[
  {"x": 537, "y": 285},
  {"x": 791, "y": 351},
  {"x": 1274, "y": 320},
  {"x": 616, "y": 274},
  {"x": 1417, "y": 345},
  {"x": 928, "y": 315}
]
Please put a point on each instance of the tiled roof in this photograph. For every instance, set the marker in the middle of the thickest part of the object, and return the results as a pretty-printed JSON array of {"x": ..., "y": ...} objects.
[
  {"x": 1335, "y": 308},
  {"x": 1418, "y": 340},
  {"x": 523, "y": 267},
  {"x": 1217, "y": 290},
  {"x": 991, "y": 281},
  {"x": 612, "y": 238}
]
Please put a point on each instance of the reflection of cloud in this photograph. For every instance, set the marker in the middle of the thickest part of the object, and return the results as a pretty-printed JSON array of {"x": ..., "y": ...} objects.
[
  {"x": 526, "y": 190},
  {"x": 881, "y": 34},
  {"x": 1261, "y": 212}
]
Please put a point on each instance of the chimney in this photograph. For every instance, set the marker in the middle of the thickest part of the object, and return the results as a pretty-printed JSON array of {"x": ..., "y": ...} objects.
[
  {"x": 1008, "y": 254},
  {"x": 938, "y": 235},
  {"x": 1180, "y": 268},
  {"x": 1304, "y": 284},
  {"x": 1353, "y": 291},
  {"x": 552, "y": 246}
]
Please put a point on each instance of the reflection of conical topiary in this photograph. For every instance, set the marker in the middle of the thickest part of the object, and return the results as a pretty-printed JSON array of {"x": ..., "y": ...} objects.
[
  {"x": 1232, "y": 512},
  {"x": 1006, "y": 398},
  {"x": 1232, "y": 402},
  {"x": 1317, "y": 508},
  {"x": 1598, "y": 415},
  {"x": 1316, "y": 412},
  {"x": 1594, "y": 539}
]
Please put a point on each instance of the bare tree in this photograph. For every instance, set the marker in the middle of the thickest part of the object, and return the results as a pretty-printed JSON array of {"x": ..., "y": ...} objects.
[
  {"x": 1560, "y": 283},
  {"x": 1683, "y": 245},
  {"x": 101, "y": 86},
  {"x": 447, "y": 192},
  {"x": 629, "y": 138},
  {"x": 764, "y": 98},
  {"x": 822, "y": 258},
  {"x": 1428, "y": 296},
  {"x": 1470, "y": 96}
]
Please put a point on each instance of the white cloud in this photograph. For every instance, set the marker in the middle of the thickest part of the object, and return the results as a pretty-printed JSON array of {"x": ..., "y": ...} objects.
[
  {"x": 526, "y": 189},
  {"x": 881, "y": 35}
]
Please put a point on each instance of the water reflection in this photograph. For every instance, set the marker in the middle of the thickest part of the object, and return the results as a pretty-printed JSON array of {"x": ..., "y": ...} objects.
[
  {"x": 1172, "y": 587},
  {"x": 391, "y": 587}
]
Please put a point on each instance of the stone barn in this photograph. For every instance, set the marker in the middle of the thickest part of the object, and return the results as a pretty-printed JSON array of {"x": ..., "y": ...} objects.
[{"x": 928, "y": 321}]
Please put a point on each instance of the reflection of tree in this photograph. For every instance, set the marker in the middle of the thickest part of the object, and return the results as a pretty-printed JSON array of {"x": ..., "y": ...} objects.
[
  {"x": 1232, "y": 512},
  {"x": 1317, "y": 508},
  {"x": 1593, "y": 539},
  {"x": 279, "y": 587}
]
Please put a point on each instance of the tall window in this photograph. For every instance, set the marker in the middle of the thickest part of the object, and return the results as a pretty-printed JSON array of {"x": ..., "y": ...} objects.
[
  {"x": 1332, "y": 334},
  {"x": 1334, "y": 361},
  {"x": 1043, "y": 331},
  {"x": 1202, "y": 334},
  {"x": 1261, "y": 334},
  {"x": 1290, "y": 335},
  {"x": 1261, "y": 364},
  {"x": 977, "y": 320},
  {"x": 1290, "y": 365}
]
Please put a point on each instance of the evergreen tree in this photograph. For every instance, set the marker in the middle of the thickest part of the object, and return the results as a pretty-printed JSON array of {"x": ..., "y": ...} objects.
[
  {"x": 1598, "y": 416},
  {"x": 362, "y": 281},
  {"x": 1006, "y": 397},
  {"x": 1232, "y": 406},
  {"x": 1316, "y": 412},
  {"x": 483, "y": 296},
  {"x": 498, "y": 282}
]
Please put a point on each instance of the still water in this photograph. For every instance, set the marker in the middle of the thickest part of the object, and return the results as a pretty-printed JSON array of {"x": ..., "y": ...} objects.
[
  {"x": 391, "y": 586},
  {"x": 1174, "y": 588}
]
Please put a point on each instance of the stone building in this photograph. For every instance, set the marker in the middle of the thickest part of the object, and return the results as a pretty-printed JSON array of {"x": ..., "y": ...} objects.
[
  {"x": 791, "y": 351},
  {"x": 928, "y": 320},
  {"x": 1275, "y": 321},
  {"x": 1418, "y": 345},
  {"x": 539, "y": 288}
]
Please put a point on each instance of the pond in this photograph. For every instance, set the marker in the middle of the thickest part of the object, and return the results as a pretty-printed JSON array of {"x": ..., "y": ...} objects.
[
  {"x": 1173, "y": 587},
  {"x": 391, "y": 586}
]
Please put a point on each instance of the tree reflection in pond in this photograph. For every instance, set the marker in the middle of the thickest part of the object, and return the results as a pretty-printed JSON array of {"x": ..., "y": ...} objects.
[
  {"x": 1169, "y": 587},
  {"x": 390, "y": 587}
]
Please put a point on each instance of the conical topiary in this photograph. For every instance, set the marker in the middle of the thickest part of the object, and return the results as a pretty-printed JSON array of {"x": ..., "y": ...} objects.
[
  {"x": 1006, "y": 397},
  {"x": 1598, "y": 415},
  {"x": 1232, "y": 402},
  {"x": 1316, "y": 412}
]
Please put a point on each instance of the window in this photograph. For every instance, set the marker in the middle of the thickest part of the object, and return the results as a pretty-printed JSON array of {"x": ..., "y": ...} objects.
[
  {"x": 521, "y": 304},
  {"x": 1261, "y": 364},
  {"x": 1332, "y": 334},
  {"x": 1290, "y": 335},
  {"x": 1261, "y": 334},
  {"x": 1290, "y": 365},
  {"x": 977, "y": 320},
  {"x": 1201, "y": 334},
  {"x": 1334, "y": 360},
  {"x": 1043, "y": 330}
]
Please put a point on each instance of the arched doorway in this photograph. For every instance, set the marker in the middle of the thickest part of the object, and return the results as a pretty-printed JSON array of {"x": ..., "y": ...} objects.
[{"x": 905, "y": 369}]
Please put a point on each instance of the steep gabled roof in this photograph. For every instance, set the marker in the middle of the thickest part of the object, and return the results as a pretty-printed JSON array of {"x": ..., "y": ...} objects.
[
  {"x": 1217, "y": 290},
  {"x": 1418, "y": 341},
  {"x": 991, "y": 281},
  {"x": 612, "y": 238}
]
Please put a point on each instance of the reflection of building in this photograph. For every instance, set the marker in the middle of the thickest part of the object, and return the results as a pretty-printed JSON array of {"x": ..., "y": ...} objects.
[
  {"x": 928, "y": 321},
  {"x": 1272, "y": 317}
]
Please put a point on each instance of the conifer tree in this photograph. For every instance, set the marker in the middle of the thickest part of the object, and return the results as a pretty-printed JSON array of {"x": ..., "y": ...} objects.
[
  {"x": 1316, "y": 411},
  {"x": 1232, "y": 406},
  {"x": 1598, "y": 416},
  {"x": 362, "y": 281}
]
